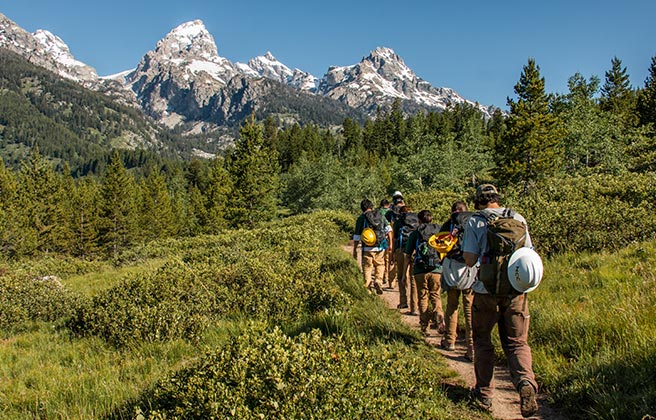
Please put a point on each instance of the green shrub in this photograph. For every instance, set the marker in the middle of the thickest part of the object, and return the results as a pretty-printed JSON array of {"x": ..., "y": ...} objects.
[
  {"x": 25, "y": 298},
  {"x": 270, "y": 375},
  {"x": 603, "y": 212},
  {"x": 171, "y": 303},
  {"x": 277, "y": 273}
]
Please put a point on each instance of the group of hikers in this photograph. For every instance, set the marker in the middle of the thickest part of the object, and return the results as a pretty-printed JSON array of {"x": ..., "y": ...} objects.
[{"x": 482, "y": 257}]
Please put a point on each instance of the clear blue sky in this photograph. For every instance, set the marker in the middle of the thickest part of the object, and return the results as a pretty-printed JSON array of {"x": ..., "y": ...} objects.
[{"x": 476, "y": 47}]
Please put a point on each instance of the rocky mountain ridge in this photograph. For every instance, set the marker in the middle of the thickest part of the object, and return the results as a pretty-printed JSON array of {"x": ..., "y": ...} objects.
[{"x": 184, "y": 80}]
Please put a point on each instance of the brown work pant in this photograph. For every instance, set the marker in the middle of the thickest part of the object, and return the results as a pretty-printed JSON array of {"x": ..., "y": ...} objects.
[
  {"x": 451, "y": 315},
  {"x": 428, "y": 289},
  {"x": 511, "y": 316},
  {"x": 373, "y": 263}
]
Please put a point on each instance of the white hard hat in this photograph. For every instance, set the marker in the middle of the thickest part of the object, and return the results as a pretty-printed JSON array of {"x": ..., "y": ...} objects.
[
  {"x": 397, "y": 194},
  {"x": 525, "y": 270}
]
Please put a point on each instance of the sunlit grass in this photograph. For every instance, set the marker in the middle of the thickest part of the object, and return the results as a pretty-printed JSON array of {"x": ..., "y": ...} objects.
[
  {"x": 593, "y": 332},
  {"x": 91, "y": 283}
]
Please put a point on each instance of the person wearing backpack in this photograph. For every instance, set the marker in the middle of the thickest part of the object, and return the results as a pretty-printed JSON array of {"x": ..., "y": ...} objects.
[
  {"x": 457, "y": 280},
  {"x": 426, "y": 269},
  {"x": 372, "y": 229},
  {"x": 406, "y": 223},
  {"x": 395, "y": 209},
  {"x": 491, "y": 235},
  {"x": 390, "y": 267}
]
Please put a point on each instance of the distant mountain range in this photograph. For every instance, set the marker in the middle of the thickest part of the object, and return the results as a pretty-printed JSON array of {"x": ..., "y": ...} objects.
[{"x": 185, "y": 83}]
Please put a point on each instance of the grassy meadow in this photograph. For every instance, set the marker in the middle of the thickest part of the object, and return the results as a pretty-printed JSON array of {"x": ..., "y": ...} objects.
[
  {"x": 266, "y": 323},
  {"x": 274, "y": 323}
]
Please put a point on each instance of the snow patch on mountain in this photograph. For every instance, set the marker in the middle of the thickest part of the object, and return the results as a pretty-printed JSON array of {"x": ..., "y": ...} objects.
[
  {"x": 269, "y": 66},
  {"x": 46, "y": 50}
]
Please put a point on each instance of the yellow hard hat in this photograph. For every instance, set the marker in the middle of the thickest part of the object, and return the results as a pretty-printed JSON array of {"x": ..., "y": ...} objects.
[
  {"x": 442, "y": 242},
  {"x": 368, "y": 237}
]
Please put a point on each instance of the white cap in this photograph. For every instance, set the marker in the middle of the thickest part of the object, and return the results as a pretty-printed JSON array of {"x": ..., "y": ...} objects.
[
  {"x": 525, "y": 270},
  {"x": 397, "y": 194}
]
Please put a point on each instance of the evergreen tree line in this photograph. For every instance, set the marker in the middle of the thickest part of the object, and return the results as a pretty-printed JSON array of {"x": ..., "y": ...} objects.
[{"x": 43, "y": 210}]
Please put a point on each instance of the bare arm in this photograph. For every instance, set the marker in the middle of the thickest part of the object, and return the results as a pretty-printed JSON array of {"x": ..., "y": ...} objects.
[
  {"x": 355, "y": 249},
  {"x": 470, "y": 259}
]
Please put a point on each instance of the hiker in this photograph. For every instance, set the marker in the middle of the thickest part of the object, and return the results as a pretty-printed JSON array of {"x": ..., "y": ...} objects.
[
  {"x": 426, "y": 269},
  {"x": 372, "y": 229},
  {"x": 390, "y": 267},
  {"x": 395, "y": 209},
  {"x": 406, "y": 222},
  {"x": 457, "y": 281},
  {"x": 496, "y": 301}
]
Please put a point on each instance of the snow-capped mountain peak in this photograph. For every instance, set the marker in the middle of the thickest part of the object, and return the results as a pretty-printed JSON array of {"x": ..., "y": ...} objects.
[
  {"x": 58, "y": 49},
  {"x": 383, "y": 77},
  {"x": 44, "y": 49},
  {"x": 269, "y": 66},
  {"x": 190, "y": 40}
]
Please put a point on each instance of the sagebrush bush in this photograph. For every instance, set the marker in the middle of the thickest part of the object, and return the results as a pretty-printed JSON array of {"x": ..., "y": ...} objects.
[
  {"x": 277, "y": 273},
  {"x": 270, "y": 375},
  {"x": 26, "y": 298},
  {"x": 597, "y": 213},
  {"x": 170, "y": 303}
]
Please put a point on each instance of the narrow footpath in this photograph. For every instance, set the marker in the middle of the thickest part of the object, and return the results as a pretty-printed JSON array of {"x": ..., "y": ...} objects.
[{"x": 506, "y": 399}]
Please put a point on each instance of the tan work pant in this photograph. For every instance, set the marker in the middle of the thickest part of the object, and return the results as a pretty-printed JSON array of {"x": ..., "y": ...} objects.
[
  {"x": 451, "y": 315},
  {"x": 428, "y": 289},
  {"x": 511, "y": 316},
  {"x": 373, "y": 263},
  {"x": 407, "y": 287},
  {"x": 390, "y": 269}
]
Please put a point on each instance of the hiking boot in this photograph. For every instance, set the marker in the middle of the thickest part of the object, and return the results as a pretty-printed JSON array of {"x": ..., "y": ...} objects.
[
  {"x": 402, "y": 306},
  {"x": 379, "y": 290},
  {"x": 447, "y": 346},
  {"x": 528, "y": 404},
  {"x": 480, "y": 401}
]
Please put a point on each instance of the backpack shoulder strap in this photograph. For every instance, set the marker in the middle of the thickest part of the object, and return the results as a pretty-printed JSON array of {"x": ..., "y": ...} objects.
[{"x": 508, "y": 212}]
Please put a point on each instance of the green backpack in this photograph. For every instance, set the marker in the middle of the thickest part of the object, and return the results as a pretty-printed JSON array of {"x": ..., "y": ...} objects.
[{"x": 505, "y": 235}]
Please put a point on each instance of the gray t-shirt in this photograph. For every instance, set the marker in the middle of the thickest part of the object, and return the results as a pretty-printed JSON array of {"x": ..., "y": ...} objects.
[{"x": 474, "y": 239}]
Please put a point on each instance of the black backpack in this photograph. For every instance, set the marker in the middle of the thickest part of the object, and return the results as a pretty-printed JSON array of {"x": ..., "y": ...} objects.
[
  {"x": 456, "y": 226},
  {"x": 408, "y": 223},
  {"x": 374, "y": 220},
  {"x": 426, "y": 254},
  {"x": 505, "y": 235},
  {"x": 392, "y": 214}
]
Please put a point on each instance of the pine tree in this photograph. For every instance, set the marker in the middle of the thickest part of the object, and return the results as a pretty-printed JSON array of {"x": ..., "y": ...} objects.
[
  {"x": 254, "y": 174},
  {"x": 86, "y": 218},
  {"x": 44, "y": 201},
  {"x": 353, "y": 149},
  {"x": 647, "y": 97},
  {"x": 218, "y": 196},
  {"x": 12, "y": 218},
  {"x": 617, "y": 95},
  {"x": 531, "y": 147},
  {"x": 156, "y": 208},
  {"x": 118, "y": 208}
]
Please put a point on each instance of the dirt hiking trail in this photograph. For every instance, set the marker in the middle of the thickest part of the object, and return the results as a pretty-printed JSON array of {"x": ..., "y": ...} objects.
[{"x": 506, "y": 399}]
